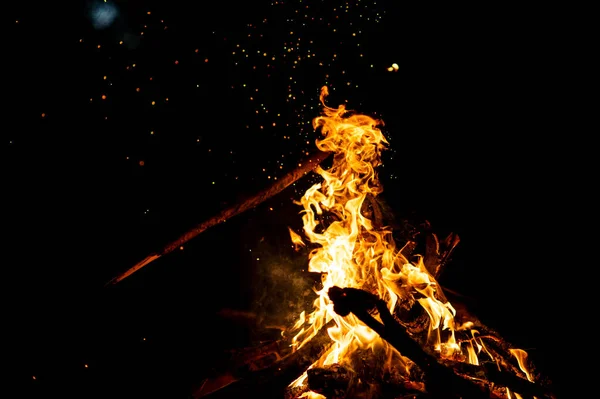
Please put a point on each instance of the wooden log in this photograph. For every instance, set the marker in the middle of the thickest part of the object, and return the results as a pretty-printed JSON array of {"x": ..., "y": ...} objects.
[
  {"x": 363, "y": 376},
  {"x": 435, "y": 257},
  {"x": 271, "y": 382},
  {"x": 248, "y": 203},
  {"x": 257, "y": 357},
  {"x": 440, "y": 379},
  {"x": 332, "y": 381},
  {"x": 500, "y": 376}
]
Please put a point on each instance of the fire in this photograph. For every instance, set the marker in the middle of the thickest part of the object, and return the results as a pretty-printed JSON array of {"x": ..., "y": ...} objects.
[
  {"x": 521, "y": 356},
  {"x": 351, "y": 252}
]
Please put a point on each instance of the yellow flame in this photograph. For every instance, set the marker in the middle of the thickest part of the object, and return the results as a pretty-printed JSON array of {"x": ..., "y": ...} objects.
[
  {"x": 350, "y": 252},
  {"x": 521, "y": 357},
  {"x": 517, "y": 396},
  {"x": 296, "y": 239},
  {"x": 311, "y": 395}
]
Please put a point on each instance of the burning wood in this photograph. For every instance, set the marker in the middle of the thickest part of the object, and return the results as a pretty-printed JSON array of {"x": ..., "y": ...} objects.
[
  {"x": 440, "y": 379},
  {"x": 277, "y": 376},
  {"x": 382, "y": 324},
  {"x": 248, "y": 203}
]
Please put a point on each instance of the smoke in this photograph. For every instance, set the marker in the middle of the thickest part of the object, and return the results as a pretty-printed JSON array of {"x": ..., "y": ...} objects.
[
  {"x": 102, "y": 14},
  {"x": 282, "y": 289},
  {"x": 107, "y": 17}
]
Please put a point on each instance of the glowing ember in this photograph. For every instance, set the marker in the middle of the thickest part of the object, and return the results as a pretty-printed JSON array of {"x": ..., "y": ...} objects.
[{"x": 351, "y": 252}]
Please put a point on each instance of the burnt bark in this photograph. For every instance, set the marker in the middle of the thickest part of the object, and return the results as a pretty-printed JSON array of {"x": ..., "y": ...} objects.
[
  {"x": 440, "y": 379},
  {"x": 271, "y": 382},
  {"x": 331, "y": 381}
]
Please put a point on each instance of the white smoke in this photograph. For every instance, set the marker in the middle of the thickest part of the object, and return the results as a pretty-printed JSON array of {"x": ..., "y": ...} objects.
[{"x": 103, "y": 14}]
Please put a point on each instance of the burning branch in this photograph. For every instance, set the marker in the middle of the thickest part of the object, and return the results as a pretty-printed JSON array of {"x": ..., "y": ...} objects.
[
  {"x": 250, "y": 202},
  {"x": 441, "y": 381},
  {"x": 272, "y": 381}
]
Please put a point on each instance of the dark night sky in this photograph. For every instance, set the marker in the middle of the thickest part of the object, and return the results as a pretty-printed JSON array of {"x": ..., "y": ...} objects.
[{"x": 196, "y": 107}]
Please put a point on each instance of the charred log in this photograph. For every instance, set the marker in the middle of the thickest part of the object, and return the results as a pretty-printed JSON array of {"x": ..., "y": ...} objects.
[
  {"x": 256, "y": 358},
  {"x": 359, "y": 376},
  {"x": 440, "y": 380},
  {"x": 272, "y": 381},
  {"x": 333, "y": 381},
  {"x": 362, "y": 376},
  {"x": 492, "y": 373}
]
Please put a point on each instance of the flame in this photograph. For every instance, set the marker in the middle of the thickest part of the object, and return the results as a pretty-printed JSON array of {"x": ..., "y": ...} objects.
[
  {"x": 521, "y": 357},
  {"x": 351, "y": 252},
  {"x": 296, "y": 239},
  {"x": 312, "y": 395}
]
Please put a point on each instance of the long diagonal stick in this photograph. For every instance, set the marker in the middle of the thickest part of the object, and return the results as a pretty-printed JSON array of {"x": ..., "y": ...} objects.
[{"x": 304, "y": 168}]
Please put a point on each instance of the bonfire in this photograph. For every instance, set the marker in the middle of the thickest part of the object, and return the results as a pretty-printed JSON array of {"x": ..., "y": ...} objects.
[{"x": 381, "y": 326}]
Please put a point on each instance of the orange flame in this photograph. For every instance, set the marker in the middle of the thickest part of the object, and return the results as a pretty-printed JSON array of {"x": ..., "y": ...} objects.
[
  {"x": 521, "y": 356},
  {"x": 351, "y": 252},
  {"x": 296, "y": 239}
]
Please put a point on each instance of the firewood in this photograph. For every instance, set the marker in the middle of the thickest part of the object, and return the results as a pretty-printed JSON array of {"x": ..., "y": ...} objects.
[
  {"x": 362, "y": 376},
  {"x": 437, "y": 254},
  {"x": 248, "y": 203},
  {"x": 272, "y": 381},
  {"x": 331, "y": 381},
  {"x": 440, "y": 379},
  {"x": 256, "y": 357}
]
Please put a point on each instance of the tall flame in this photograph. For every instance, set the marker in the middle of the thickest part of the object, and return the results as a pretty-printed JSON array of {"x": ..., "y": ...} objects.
[{"x": 351, "y": 252}]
